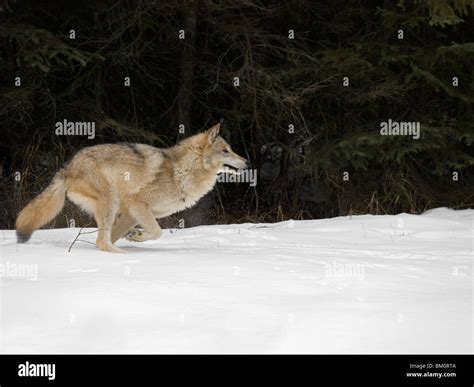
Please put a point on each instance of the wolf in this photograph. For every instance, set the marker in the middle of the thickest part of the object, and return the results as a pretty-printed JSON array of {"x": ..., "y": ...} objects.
[{"x": 127, "y": 184}]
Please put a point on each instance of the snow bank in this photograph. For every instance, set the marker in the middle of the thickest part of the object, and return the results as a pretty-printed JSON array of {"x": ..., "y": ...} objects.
[{"x": 360, "y": 284}]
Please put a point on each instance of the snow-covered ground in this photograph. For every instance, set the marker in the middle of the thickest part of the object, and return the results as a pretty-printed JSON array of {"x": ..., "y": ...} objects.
[{"x": 361, "y": 284}]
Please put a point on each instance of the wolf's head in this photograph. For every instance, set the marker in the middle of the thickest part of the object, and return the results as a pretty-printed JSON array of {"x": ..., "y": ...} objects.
[{"x": 218, "y": 155}]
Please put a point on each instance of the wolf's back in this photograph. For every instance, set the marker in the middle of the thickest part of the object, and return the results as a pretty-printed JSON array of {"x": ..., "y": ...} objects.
[{"x": 42, "y": 209}]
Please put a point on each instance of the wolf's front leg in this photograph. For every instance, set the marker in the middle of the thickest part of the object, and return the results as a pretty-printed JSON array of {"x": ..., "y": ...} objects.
[{"x": 146, "y": 219}]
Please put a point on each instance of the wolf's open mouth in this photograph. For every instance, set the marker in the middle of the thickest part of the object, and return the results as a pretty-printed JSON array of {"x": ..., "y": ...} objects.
[{"x": 231, "y": 168}]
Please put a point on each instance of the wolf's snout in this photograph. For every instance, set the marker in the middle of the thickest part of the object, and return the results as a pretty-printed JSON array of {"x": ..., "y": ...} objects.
[{"x": 243, "y": 164}]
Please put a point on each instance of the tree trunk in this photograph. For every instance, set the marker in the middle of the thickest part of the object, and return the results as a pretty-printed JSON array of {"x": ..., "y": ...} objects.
[{"x": 185, "y": 90}]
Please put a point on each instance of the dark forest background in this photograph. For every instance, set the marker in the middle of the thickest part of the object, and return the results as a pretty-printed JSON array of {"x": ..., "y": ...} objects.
[{"x": 283, "y": 82}]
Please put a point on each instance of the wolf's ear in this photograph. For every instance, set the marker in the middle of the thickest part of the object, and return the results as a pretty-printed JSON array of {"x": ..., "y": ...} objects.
[{"x": 213, "y": 132}]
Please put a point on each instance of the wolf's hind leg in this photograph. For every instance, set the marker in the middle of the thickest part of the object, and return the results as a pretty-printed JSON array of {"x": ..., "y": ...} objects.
[
  {"x": 105, "y": 212},
  {"x": 135, "y": 234},
  {"x": 122, "y": 225},
  {"x": 143, "y": 216}
]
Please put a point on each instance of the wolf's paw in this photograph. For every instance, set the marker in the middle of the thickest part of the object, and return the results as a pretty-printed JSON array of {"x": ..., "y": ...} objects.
[
  {"x": 109, "y": 247},
  {"x": 135, "y": 235}
]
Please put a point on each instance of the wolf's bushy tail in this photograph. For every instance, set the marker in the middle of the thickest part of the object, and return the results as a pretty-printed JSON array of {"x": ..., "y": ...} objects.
[{"x": 42, "y": 209}]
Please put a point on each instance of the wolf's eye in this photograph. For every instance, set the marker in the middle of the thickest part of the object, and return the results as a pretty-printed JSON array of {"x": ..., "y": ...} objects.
[{"x": 225, "y": 151}]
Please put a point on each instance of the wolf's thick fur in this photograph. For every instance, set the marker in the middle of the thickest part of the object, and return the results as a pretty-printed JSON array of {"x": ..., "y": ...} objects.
[{"x": 123, "y": 185}]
